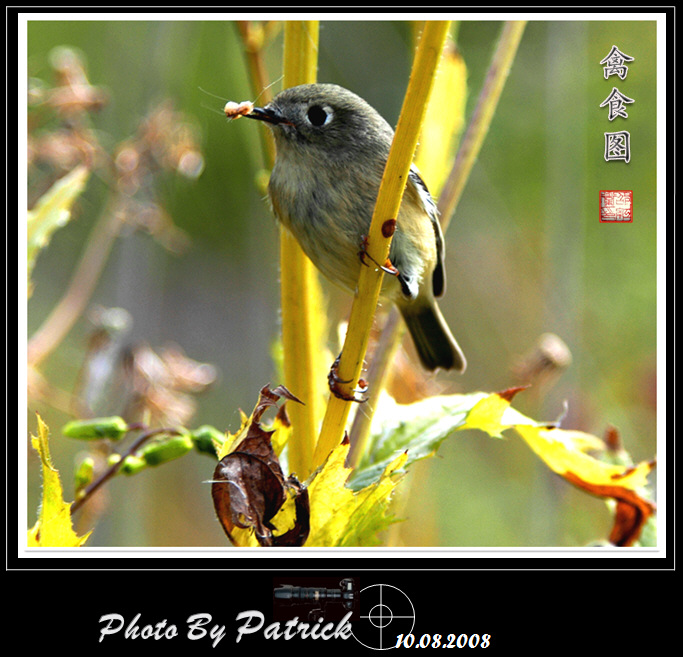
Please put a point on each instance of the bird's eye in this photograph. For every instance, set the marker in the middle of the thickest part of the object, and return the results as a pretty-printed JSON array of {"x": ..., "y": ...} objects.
[{"x": 318, "y": 115}]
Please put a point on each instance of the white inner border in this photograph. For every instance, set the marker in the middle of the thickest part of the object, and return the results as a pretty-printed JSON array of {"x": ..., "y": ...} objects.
[{"x": 313, "y": 553}]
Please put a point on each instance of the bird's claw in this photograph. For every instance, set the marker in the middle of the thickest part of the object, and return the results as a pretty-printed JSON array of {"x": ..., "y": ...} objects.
[
  {"x": 335, "y": 382},
  {"x": 387, "y": 267}
]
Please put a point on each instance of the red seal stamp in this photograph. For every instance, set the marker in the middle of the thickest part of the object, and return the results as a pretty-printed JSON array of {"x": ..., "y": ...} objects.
[{"x": 616, "y": 206}]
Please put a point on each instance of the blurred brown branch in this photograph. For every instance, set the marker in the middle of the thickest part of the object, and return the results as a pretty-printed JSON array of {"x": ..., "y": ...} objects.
[{"x": 165, "y": 141}]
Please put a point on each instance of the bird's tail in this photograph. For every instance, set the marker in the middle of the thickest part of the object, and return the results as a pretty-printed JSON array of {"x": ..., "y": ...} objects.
[{"x": 433, "y": 340}]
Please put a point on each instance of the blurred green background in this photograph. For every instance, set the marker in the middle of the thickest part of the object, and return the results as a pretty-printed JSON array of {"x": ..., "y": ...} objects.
[{"x": 526, "y": 255}]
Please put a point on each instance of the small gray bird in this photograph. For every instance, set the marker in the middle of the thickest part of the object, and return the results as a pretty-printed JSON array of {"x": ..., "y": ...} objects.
[{"x": 332, "y": 148}]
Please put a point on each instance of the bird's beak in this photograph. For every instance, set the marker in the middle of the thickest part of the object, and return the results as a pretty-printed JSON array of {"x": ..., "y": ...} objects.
[{"x": 269, "y": 115}]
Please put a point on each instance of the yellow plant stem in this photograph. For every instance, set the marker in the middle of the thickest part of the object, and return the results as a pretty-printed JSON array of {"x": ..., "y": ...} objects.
[
  {"x": 448, "y": 201},
  {"x": 388, "y": 203},
  {"x": 300, "y": 288}
]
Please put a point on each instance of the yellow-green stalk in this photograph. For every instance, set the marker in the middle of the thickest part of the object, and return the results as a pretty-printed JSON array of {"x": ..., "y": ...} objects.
[
  {"x": 388, "y": 202},
  {"x": 300, "y": 288}
]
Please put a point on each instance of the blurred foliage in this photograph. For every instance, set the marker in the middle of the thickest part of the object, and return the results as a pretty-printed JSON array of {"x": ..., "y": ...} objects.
[{"x": 526, "y": 255}]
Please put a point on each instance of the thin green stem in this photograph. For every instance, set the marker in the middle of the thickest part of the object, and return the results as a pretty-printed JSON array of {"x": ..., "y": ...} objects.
[
  {"x": 481, "y": 119},
  {"x": 114, "y": 468}
]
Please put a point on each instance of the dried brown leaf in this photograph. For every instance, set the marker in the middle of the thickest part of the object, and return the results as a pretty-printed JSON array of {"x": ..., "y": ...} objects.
[{"x": 249, "y": 487}]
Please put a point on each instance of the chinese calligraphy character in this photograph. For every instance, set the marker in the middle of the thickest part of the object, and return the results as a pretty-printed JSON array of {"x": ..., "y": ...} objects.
[
  {"x": 615, "y": 102},
  {"x": 618, "y": 146},
  {"x": 615, "y": 63}
]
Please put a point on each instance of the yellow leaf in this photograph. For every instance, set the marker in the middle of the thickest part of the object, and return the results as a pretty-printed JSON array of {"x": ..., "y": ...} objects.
[
  {"x": 52, "y": 211},
  {"x": 54, "y": 528},
  {"x": 282, "y": 430},
  {"x": 486, "y": 415},
  {"x": 369, "y": 516},
  {"x": 562, "y": 451},
  {"x": 244, "y": 537},
  {"x": 285, "y": 518},
  {"x": 341, "y": 517},
  {"x": 492, "y": 413},
  {"x": 233, "y": 439},
  {"x": 329, "y": 495},
  {"x": 565, "y": 453},
  {"x": 444, "y": 120}
]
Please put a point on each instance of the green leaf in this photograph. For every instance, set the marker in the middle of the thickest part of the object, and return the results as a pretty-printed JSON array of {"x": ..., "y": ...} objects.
[
  {"x": 52, "y": 211},
  {"x": 417, "y": 429},
  {"x": 351, "y": 507}
]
